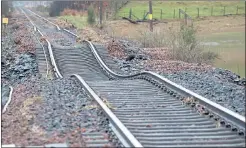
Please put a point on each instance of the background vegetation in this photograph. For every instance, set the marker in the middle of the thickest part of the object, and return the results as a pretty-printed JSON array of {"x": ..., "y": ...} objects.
[{"x": 138, "y": 8}]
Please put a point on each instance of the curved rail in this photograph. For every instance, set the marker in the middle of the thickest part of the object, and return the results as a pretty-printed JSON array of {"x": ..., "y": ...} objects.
[
  {"x": 9, "y": 100},
  {"x": 49, "y": 48},
  {"x": 216, "y": 108},
  {"x": 226, "y": 114},
  {"x": 221, "y": 111},
  {"x": 46, "y": 60},
  {"x": 131, "y": 140}
]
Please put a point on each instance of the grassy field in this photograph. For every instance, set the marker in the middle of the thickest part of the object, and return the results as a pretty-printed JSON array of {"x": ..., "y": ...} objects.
[
  {"x": 231, "y": 48},
  {"x": 138, "y": 8},
  {"x": 78, "y": 21}
]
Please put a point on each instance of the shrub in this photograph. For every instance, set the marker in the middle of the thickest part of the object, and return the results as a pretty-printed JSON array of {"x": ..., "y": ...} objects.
[
  {"x": 152, "y": 39},
  {"x": 185, "y": 47},
  {"x": 91, "y": 16}
]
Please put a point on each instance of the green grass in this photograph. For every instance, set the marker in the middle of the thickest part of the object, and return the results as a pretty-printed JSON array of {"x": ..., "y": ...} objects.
[
  {"x": 138, "y": 8},
  {"x": 77, "y": 21},
  {"x": 231, "y": 49}
]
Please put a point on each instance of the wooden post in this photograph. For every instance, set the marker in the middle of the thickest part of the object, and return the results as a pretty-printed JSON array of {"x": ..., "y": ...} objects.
[
  {"x": 161, "y": 14},
  {"x": 173, "y": 13},
  {"x": 212, "y": 9},
  {"x": 198, "y": 12},
  {"x": 224, "y": 10},
  {"x": 185, "y": 9},
  {"x": 237, "y": 10},
  {"x": 150, "y": 14}
]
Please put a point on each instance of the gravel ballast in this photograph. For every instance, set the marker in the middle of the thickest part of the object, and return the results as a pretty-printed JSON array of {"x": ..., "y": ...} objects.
[
  {"x": 219, "y": 85},
  {"x": 212, "y": 86},
  {"x": 68, "y": 113}
]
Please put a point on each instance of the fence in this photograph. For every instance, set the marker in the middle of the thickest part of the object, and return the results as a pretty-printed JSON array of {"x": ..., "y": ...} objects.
[
  {"x": 187, "y": 20},
  {"x": 175, "y": 13}
]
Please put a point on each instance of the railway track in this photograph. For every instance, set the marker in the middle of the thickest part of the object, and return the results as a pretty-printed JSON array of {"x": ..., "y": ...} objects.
[{"x": 146, "y": 109}]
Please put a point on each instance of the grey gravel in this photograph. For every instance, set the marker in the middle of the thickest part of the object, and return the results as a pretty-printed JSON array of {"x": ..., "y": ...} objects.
[
  {"x": 21, "y": 69},
  {"x": 212, "y": 86},
  {"x": 66, "y": 109}
]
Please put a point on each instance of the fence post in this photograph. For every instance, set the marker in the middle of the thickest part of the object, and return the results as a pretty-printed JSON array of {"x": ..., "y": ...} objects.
[
  {"x": 161, "y": 14},
  {"x": 198, "y": 12},
  {"x": 130, "y": 13},
  {"x": 185, "y": 9},
  {"x": 212, "y": 11},
  {"x": 224, "y": 10},
  {"x": 237, "y": 9},
  {"x": 179, "y": 13},
  {"x": 173, "y": 13}
]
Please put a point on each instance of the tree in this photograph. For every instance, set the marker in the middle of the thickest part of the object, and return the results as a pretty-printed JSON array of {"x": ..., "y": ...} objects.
[{"x": 91, "y": 15}]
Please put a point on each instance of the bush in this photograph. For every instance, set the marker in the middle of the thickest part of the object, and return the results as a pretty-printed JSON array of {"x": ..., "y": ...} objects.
[
  {"x": 185, "y": 47},
  {"x": 153, "y": 39},
  {"x": 91, "y": 16}
]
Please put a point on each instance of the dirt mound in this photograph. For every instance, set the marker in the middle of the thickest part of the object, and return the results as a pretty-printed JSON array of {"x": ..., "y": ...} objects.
[
  {"x": 91, "y": 35},
  {"x": 64, "y": 24}
]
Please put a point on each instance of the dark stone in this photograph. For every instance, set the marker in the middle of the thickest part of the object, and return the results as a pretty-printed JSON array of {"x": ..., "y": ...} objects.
[{"x": 130, "y": 57}]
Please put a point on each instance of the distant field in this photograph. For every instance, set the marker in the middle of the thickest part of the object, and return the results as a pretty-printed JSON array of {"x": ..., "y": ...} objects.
[
  {"x": 231, "y": 47},
  {"x": 138, "y": 8}
]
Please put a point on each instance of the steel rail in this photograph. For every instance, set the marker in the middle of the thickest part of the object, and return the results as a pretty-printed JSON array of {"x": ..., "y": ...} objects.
[
  {"x": 131, "y": 140},
  {"x": 124, "y": 135},
  {"x": 58, "y": 28},
  {"x": 9, "y": 100},
  {"x": 224, "y": 113},
  {"x": 46, "y": 60},
  {"x": 49, "y": 49}
]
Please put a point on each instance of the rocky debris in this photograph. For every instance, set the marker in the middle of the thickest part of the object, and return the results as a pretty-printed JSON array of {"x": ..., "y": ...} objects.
[
  {"x": 68, "y": 113},
  {"x": 116, "y": 49},
  {"x": 173, "y": 66},
  {"x": 209, "y": 85},
  {"x": 17, "y": 121},
  {"x": 130, "y": 67},
  {"x": 229, "y": 76},
  {"x": 23, "y": 67},
  {"x": 25, "y": 42}
]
